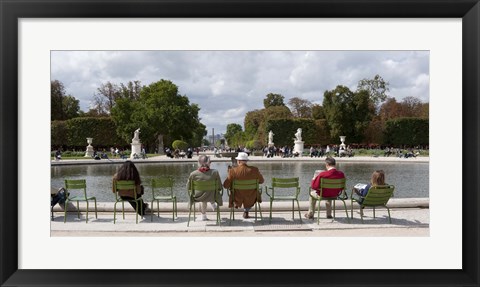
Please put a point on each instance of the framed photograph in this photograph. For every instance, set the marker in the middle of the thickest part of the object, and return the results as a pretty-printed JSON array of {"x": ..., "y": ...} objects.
[{"x": 30, "y": 256}]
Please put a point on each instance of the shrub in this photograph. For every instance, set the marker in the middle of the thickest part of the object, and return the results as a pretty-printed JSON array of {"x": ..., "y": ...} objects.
[{"x": 181, "y": 145}]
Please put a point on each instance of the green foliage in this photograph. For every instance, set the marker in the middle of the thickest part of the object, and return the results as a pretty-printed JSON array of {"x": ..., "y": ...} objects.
[
  {"x": 285, "y": 129},
  {"x": 58, "y": 133},
  {"x": 63, "y": 106},
  {"x": 73, "y": 132},
  {"x": 159, "y": 110},
  {"x": 273, "y": 100},
  {"x": 181, "y": 145},
  {"x": 253, "y": 121},
  {"x": 253, "y": 145},
  {"x": 348, "y": 113},
  {"x": 376, "y": 88},
  {"x": 407, "y": 131}
]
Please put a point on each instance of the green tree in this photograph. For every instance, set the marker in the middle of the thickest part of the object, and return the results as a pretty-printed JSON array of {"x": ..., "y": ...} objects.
[
  {"x": 63, "y": 106},
  {"x": 273, "y": 100},
  {"x": 348, "y": 113},
  {"x": 71, "y": 107},
  {"x": 317, "y": 112},
  {"x": 300, "y": 108},
  {"x": 376, "y": 88},
  {"x": 252, "y": 122},
  {"x": 161, "y": 113},
  {"x": 234, "y": 134}
]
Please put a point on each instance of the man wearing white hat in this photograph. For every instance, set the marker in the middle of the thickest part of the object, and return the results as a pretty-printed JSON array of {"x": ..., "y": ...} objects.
[{"x": 247, "y": 198}]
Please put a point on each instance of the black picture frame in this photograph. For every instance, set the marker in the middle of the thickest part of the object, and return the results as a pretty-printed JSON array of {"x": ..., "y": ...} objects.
[{"x": 11, "y": 11}]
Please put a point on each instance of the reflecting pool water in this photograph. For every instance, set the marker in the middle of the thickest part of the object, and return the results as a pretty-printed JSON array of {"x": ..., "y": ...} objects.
[{"x": 410, "y": 179}]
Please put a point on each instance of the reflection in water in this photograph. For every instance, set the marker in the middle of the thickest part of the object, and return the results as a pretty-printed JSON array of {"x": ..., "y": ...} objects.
[{"x": 410, "y": 179}]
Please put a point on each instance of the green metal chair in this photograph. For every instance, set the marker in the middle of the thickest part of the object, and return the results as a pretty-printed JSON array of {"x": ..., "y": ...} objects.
[
  {"x": 339, "y": 183},
  {"x": 245, "y": 184},
  {"x": 284, "y": 189},
  {"x": 376, "y": 196},
  {"x": 162, "y": 190},
  {"x": 126, "y": 185},
  {"x": 71, "y": 195},
  {"x": 207, "y": 186}
]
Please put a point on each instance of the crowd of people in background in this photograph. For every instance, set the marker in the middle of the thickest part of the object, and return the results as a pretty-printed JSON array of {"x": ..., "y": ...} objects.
[{"x": 314, "y": 151}]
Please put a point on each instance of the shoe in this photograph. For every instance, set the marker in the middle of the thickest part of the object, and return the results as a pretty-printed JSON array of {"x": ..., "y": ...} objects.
[
  {"x": 329, "y": 216},
  {"x": 204, "y": 217},
  {"x": 245, "y": 215},
  {"x": 214, "y": 206},
  {"x": 309, "y": 215}
]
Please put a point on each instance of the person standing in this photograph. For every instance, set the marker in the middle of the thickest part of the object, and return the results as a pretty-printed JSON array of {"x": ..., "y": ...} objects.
[
  {"x": 330, "y": 172},
  {"x": 247, "y": 198},
  {"x": 204, "y": 173},
  {"x": 128, "y": 171}
]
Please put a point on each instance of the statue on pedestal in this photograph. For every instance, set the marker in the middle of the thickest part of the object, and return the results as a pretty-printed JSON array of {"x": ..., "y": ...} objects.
[{"x": 270, "y": 137}]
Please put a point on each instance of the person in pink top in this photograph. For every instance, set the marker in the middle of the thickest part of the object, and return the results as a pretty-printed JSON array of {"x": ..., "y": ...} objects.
[{"x": 330, "y": 172}]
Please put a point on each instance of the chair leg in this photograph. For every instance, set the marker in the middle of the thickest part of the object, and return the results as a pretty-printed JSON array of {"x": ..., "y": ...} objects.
[
  {"x": 66, "y": 207},
  {"x": 176, "y": 208},
  {"x": 351, "y": 206},
  {"x": 114, "y": 211},
  {"x": 334, "y": 204},
  {"x": 346, "y": 211},
  {"x": 374, "y": 212},
  {"x": 189, "y": 213},
  {"x": 389, "y": 218},
  {"x": 123, "y": 209},
  {"x": 361, "y": 212},
  {"x": 78, "y": 211},
  {"x": 86, "y": 220},
  {"x": 318, "y": 216},
  {"x": 293, "y": 210},
  {"x": 299, "y": 213},
  {"x": 95, "y": 199},
  {"x": 271, "y": 203},
  {"x": 158, "y": 208},
  {"x": 151, "y": 211}
]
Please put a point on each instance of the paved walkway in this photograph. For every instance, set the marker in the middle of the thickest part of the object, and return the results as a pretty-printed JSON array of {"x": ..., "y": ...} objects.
[{"x": 409, "y": 218}]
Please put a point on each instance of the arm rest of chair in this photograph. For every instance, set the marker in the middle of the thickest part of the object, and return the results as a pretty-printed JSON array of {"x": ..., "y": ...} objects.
[{"x": 266, "y": 191}]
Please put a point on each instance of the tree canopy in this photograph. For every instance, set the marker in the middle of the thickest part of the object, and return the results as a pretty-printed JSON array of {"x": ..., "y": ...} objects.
[
  {"x": 272, "y": 100},
  {"x": 63, "y": 106},
  {"x": 159, "y": 112}
]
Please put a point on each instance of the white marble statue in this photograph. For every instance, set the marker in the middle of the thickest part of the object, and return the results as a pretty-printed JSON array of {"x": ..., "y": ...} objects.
[
  {"x": 298, "y": 135},
  {"x": 136, "y": 134},
  {"x": 270, "y": 137}
]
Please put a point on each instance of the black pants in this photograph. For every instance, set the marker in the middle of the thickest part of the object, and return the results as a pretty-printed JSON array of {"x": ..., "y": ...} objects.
[{"x": 133, "y": 203}]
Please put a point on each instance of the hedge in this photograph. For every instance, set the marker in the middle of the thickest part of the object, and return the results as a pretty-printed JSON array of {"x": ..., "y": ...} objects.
[
  {"x": 313, "y": 131},
  {"x": 407, "y": 131},
  {"x": 74, "y": 133}
]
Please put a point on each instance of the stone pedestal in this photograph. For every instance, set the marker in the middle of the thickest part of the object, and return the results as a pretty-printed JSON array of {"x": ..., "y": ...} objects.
[
  {"x": 136, "y": 149},
  {"x": 89, "y": 151},
  {"x": 298, "y": 147},
  {"x": 271, "y": 145}
]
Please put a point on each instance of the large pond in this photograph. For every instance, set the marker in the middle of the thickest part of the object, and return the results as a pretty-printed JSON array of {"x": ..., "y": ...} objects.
[{"x": 410, "y": 179}]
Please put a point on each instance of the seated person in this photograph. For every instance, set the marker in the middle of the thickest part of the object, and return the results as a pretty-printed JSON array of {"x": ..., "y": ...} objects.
[
  {"x": 361, "y": 190},
  {"x": 332, "y": 173},
  {"x": 203, "y": 173},
  {"x": 128, "y": 171},
  {"x": 57, "y": 195},
  {"x": 247, "y": 198}
]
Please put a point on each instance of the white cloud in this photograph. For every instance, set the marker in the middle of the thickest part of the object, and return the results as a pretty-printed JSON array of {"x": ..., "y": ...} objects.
[{"x": 227, "y": 84}]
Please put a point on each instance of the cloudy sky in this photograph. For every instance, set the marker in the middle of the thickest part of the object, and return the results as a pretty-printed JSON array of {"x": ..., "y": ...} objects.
[{"x": 227, "y": 84}]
